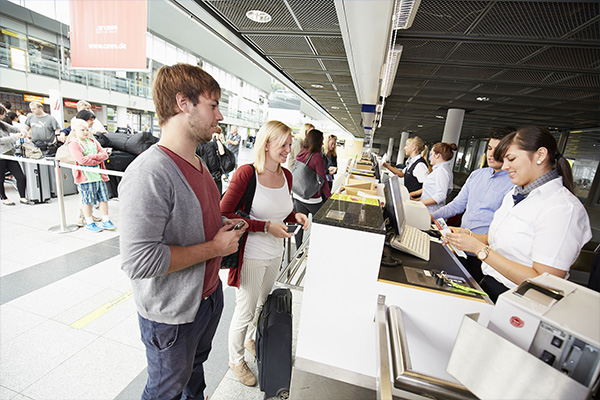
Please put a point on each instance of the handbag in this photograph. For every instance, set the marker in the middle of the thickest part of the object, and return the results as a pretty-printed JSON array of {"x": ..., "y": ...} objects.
[
  {"x": 227, "y": 160},
  {"x": 31, "y": 151},
  {"x": 306, "y": 180},
  {"x": 232, "y": 261},
  {"x": 63, "y": 154}
]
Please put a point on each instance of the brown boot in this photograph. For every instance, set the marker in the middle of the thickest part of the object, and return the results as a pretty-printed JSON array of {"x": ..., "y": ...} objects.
[{"x": 243, "y": 373}]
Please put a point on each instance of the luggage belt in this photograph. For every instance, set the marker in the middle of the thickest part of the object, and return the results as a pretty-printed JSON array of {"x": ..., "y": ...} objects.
[{"x": 288, "y": 273}]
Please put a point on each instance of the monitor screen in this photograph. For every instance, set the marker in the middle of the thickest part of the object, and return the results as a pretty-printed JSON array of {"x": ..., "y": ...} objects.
[{"x": 393, "y": 204}]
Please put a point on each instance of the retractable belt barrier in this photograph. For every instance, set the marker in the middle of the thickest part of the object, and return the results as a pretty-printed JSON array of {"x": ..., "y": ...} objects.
[{"x": 63, "y": 227}]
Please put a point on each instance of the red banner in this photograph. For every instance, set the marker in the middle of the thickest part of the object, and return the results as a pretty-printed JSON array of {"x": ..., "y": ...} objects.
[{"x": 109, "y": 34}]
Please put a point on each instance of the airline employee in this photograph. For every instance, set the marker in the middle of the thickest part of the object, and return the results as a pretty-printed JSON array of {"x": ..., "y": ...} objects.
[
  {"x": 416, "y": 169},
  {"x": 439, "y": 183},
  {"x": 540, "y": 227}
]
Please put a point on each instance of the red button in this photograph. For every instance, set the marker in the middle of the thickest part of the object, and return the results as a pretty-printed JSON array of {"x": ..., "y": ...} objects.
[{"x": 517, "y": 322}]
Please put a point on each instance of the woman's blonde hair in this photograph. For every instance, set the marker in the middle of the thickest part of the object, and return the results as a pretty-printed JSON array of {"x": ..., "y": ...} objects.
[
  {"x": 326, "y": 146},
  {"x": 272, "y": 132},
  {"x": 421, "y": 148}
]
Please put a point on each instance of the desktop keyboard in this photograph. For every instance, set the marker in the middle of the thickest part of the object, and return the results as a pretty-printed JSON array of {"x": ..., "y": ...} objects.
[{"x": 412, "y": 241}]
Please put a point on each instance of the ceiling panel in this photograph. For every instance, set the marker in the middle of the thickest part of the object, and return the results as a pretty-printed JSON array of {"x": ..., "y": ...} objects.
[{"x": 537, "y": 62}]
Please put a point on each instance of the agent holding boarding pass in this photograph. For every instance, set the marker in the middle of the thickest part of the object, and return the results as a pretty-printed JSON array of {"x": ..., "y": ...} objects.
[
  {"x": 260, "y": 256},
  {"x": 540, "y": 227}
]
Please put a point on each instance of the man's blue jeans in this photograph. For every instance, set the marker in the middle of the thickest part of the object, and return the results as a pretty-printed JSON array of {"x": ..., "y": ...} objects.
[{"x": 176, "y": 353}]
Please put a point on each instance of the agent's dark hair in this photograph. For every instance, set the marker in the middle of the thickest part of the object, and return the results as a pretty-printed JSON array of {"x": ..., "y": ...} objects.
[
  {"x": 85, "y": 115},
  {"x": 445, "y": 149},
  {"x": 500, "y": 133},
  {"x": 313, "y": 141},
  {"x": 532, "y": 138},
  {"x": 7, "y": 105}
]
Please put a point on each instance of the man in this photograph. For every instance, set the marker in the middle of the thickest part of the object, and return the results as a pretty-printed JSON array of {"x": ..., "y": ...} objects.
[
  {"x": 44, "y": 127},
  {"x": 97, "y": 127},
  {"x": 479, "y": 198},
  {"x": 173, "y": 235},
  {"x": 233, "y": 144}
]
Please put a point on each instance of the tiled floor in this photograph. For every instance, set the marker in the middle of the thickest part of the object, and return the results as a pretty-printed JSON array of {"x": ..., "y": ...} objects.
[{"x": 68, "y": 325}]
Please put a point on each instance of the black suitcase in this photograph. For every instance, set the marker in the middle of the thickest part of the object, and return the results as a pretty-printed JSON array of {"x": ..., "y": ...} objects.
[
  {"x": 119, "y": 160},
  {"x": 274, "y": 344}
]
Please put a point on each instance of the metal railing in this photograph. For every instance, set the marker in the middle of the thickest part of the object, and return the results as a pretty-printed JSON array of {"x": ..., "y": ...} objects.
[
  {"x": 294, "y": 265},
  {"x": 62, "y": 227}
]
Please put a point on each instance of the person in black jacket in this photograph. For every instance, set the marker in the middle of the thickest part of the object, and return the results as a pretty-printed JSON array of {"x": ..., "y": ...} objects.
[
  {"x": 416, "y": 169},
  {"x": 211, "y": 152}
]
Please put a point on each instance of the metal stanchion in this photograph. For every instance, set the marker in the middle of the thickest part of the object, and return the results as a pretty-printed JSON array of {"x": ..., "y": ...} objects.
[{"x": 63, "y": 227}]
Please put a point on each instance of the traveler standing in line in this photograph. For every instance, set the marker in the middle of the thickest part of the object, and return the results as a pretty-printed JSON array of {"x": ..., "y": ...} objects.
[
  {"x": 8, "y": 137},
  {"x": 312, "y": 147},
  {"x": 439, "y": 183},
  {"x": 416, "y": 169},
  {"x": 44, "y": 128},
  {"x": 479, "y": 198},
  {"x": 87, "y": 152},
  {"x": 211, "y": 153},
  {"x": 298, "y": 144},
  {"x": 233, "y": 144},
  {"x": 330, "y": 157},
  {"x": 540, "y": 227},
  {"x": 97, "y": 127},
  {"x": 173, "y": 236},
  {"x": 262, "y": 251}
]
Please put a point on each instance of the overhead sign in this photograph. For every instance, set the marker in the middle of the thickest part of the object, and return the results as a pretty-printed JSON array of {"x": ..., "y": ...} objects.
[
  {"x": 28, "y": 98},
  {"x": 109, "y": 34}
]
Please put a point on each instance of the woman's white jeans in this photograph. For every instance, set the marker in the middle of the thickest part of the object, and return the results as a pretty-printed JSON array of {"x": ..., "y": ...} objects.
[{"x": 256, "y": 281}]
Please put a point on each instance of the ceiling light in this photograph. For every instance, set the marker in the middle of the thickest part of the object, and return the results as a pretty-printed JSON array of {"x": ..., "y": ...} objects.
[
  {"x": 258, "y": 16},
  {"x": 483, "y": 98},
  {"x": 439, "y": 116},
  {"x": 419, "y": 126},
  {"x": 404, "y": 13},
  {"x": 316, "y": 86},
  {"x": 335, "y": 108},
  {"x": 389, "y": 69}
]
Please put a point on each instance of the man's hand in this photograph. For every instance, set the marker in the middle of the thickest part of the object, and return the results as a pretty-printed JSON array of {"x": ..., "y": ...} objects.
[{"x": 226, "y": 240}]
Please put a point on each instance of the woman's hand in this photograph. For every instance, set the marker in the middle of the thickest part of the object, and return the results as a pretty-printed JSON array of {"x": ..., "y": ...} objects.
[
  {"x": 279, "y": 230},
  {"x": 302, "y": 220},
  {"x": 332, "y": 170},
  {"x": 463, "y": 240}
]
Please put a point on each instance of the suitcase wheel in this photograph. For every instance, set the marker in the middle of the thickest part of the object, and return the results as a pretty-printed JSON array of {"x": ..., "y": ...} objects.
[{"x": 283, "y": 394}]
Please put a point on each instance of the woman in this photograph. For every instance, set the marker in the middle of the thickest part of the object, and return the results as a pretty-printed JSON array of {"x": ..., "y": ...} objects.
[
  {"x": 312, "y": 149},
  {"x": 298, "y": 144},
  {"x": 8, "y": 136},
  {"x": 330, "y": 157},
  {"x": 540, "y": 227},
  {"x": 261, "y": 253},
  {"x": 416, "y": 170},
  {"x": 439, "y": 183}
]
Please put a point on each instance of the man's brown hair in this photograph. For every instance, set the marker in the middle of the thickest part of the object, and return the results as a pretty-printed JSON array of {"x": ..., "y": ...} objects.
[{"x": 188, "y": 79}]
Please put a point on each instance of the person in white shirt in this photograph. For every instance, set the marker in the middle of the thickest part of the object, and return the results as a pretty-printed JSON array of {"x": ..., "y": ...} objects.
[
  {"x": 97, "y": 127},
  {"x": 416, "y": 169},
  {"x": 439, "y": 182},
  {"x": 540, "y": 227}
]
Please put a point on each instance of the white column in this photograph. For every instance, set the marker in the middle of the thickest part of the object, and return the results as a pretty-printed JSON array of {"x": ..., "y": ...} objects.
[
  {"x": 121, "y": 117},
  {"x": 452, "y": 128},
  {"x": 401, "y": 155},
  {"x": 453, "y": 125},
  {"x": 390, "y": 149}
]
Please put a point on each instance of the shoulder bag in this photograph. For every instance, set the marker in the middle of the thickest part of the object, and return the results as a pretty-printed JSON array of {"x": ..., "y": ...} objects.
[
  {"x": 227, "y": 159},
  {"x": 232, "y": 261},
  {"x": 306, "y": 181}
]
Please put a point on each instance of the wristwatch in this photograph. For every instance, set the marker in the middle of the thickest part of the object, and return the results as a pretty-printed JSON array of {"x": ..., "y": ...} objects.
[{"x": 483, "y": 253}]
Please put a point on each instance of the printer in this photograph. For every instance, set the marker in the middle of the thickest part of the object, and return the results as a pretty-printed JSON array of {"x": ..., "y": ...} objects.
[{"x": 555, "y": 320}]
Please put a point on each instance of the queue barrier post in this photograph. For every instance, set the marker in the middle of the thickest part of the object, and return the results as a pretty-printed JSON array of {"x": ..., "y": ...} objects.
[{"x": 63, "y": 227}]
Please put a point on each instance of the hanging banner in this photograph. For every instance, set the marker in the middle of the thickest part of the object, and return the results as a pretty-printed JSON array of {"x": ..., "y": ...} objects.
[
  {"x": 108, "y": 34},
  {"x": 56, "y": 106}
]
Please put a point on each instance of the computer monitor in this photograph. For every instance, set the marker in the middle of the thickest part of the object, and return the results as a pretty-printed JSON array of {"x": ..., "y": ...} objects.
[{"x": 393, "y": 204}]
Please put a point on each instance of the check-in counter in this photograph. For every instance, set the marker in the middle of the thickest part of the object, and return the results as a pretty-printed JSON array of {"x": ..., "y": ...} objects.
[{"x": 344, "y": 278}]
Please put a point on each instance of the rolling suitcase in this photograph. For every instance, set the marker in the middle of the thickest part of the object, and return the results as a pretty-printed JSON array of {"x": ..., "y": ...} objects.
[
  {"x": 274, "y": 344},
  {"x": 68, "y": 181},
  {"x": 38, "y": 182}
]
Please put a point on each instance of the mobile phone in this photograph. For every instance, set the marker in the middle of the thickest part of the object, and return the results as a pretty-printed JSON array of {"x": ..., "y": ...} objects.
[
  {"x": 293, "y": 228},
  {"x": 239, "y": 225}
]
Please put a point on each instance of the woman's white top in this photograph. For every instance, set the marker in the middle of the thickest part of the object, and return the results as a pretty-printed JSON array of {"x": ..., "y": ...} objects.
[
  {"x": 268, "y": 205},
  {"x": 438, "y": 185},
  {"x": 420, "y": 172},
  {"x": 550, "y": 226}
]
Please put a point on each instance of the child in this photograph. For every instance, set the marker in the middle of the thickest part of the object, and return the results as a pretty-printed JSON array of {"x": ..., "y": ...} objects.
[{"x": 87, "y": 152}]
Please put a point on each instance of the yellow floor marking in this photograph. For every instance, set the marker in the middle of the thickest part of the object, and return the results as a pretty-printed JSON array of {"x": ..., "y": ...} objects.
[{"x": 102, "y": 310}]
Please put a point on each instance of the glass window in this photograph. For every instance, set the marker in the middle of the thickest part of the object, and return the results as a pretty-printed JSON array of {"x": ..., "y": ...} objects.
[
  {"x": 583, "y": 152},
  {"x": 460, "y": 155},
  {"x": 468, "y": 156},
  {"x": 43, "y": 57},
  {"x": 480, "y": 159}
]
